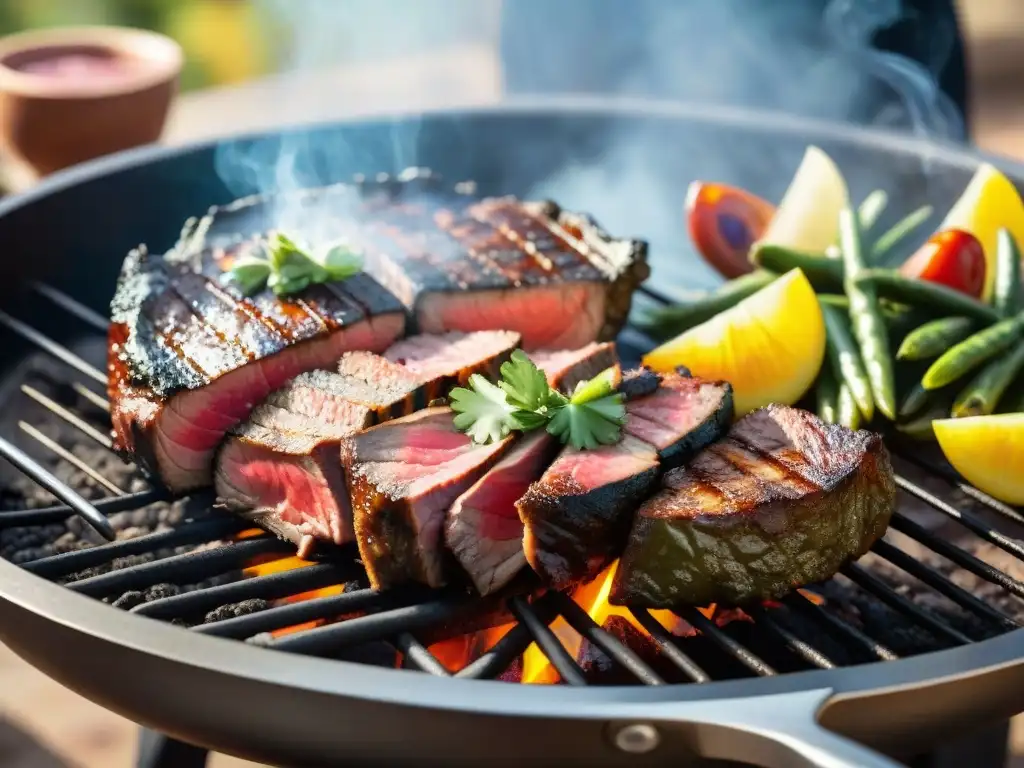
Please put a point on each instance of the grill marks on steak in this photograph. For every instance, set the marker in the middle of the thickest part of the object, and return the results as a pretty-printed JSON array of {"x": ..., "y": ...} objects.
[
  {"x": 443, "y": 362},
  {"x": 785, "y": 500},
  {"x": 188, "y": 357},
  {"x": 403, "y": 476},
  {"x": 483, "y": 529},
  {"x": 565, "y": 368}
]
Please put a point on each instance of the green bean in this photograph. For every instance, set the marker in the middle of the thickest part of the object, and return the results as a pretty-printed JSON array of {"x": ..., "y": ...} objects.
[
  {"x": 898, "y": 232},
  {"x": 868, "y": 323},
  {"x": 982, "y": 395},
  {"x": 1006, "y": 296},
  {"x": 827, "y": 395},
  {"x": 666, "y": 322},
  {"x": 964, "y": 357},
  {"x": 935, "y": 337},
  {"x": 823, "y": 273},
  {"x": 847, "y": 412},
  {"x": 844, "y": 354},
  {"x": 920, "y": 428},
  {"x": 869, "y": 211},
  {"x": 890, "y": 284}
]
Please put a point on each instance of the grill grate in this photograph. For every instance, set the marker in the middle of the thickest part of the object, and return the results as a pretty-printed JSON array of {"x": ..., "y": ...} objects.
[{"x": 800, "y": 632}]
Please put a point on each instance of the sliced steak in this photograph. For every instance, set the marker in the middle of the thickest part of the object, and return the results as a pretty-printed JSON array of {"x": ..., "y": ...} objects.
[
  {"x": 402, "y": 477},
  {"x": 783, "y": 501},
  {"x": 483, "y": 529},
  {"x": 577, "y": 515},
  {"x": 281, "y": 467},
  {"x": 681, "y": 416},
  {"x": 190, "y": 356},
  {"x": 565, "y": 368},
  {"x": 445, "y": 361}
]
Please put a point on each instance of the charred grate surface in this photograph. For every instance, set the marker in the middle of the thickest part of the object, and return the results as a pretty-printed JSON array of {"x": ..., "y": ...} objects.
[{"x": 949, "y": 572}]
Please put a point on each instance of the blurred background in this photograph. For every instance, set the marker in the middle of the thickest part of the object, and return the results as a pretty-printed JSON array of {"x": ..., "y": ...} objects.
[{"x": 235, "y": 53}]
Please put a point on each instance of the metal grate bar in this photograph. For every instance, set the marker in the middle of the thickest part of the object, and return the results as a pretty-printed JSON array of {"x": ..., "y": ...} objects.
[
  {"x": 52, "y": 348},
  {"x": 419, "y": 656},
  {"x": 711, "y": 631},
  {"x": 548, "y": 643},
  {"x": 73, "y": 306},
  {"x": 840, "y": 628},
  {"x": 273, "y": 586},
  {"x": 43, "y": 477},
  {"x": 590, "y": 631},
  {"x": 805, "y": 651},
  {"x": 63, "y": 453},
  {"x": 199, "y": 532},
  {"x": 951, "y": 477},
  {"x": 667, "y": 645},
  {"x": 180, "y": 569},
  {"x": 941, "y": 584},
  {"x": 968, "y": 520},
  {"x": 98, "y": 400},
  {"x": 61, "y": 512},
  {"x": 956, "y": 555},
  {"x": 363, "y": 629},
  {"x": 884, "y": 592},
  {"x": 71, "y": 418},
  {"x": 512, "y": 645}
]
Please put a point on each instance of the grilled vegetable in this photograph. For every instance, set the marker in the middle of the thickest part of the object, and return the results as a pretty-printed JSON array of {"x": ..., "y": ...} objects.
[
  {"x": 827, "y": 396},
  {"x": 918, "y": 293},
  {"x": 952, "y": 258},
  {"x": 665, "y": 322},
  {"x": 935, "y": 337},
  {"x": 915, "y": 400},
  {"x": 988, "y": 451},
  {"x": 866, "y": 316},
  {"x": 844, "y": 355},
  {"x": 982, "y": 395},
  {"x": 1006, "y": 290},
  {"x": 824, "y": 274},
  {"x": 972, "y": 352},
  {"x": 920, "y": 427},
  {"x": 847, "y": 412},
  {"x": 898, "y": 232},
  {"x": 724, "y": 222}
]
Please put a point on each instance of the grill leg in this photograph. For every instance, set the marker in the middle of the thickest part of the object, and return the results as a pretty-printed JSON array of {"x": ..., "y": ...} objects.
[{"x": 158, "y": 751}]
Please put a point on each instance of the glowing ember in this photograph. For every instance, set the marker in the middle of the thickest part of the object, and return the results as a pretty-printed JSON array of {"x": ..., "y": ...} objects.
[
  {"x": 458, "y": 652},
  {"x": 266, "y": 565},
  {"x": 814, "y": 597}
]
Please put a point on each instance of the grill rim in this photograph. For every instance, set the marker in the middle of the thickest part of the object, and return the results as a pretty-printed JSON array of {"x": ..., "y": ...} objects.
[{"x": 23, "y": 595}]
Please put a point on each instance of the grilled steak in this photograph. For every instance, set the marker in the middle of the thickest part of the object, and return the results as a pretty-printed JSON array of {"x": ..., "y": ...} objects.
[
  {"x": 577, "y": 515},
  {"x": 402, "y": 477},
  {"x": 784, "y": 500},
  {"x": 565, "y": 368},
  {"x": 483, "y": 529},
  {"x": 442, "y": 362},
  {"x": 281, "y": 466},
  {"x": 190, "y": 356},
  {"x": 681, "y": 416}
]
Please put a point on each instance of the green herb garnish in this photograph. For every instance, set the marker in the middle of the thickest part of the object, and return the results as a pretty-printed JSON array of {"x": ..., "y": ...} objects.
[
  {"x": 523, "y": 401},
  {"x": 290, "y": 267}
]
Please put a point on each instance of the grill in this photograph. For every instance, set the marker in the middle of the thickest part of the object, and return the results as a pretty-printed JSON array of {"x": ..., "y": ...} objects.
[{"x": 947, "y": 579}]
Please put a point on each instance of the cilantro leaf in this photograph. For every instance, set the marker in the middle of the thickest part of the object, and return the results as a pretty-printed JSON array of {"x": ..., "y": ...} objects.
[
  {"x": 530, "y": 420},
  {"x": 340, "y": 260},
  {"x": 482, "y": 411},
  {"x": 586, "y": 426},
  {"x": 524, "y": 383}
]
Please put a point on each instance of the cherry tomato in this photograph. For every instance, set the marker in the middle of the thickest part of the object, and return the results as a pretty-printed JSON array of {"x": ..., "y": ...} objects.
[
  {"x": 724, "y": 222},
  {"x": 953, "y": 258}
]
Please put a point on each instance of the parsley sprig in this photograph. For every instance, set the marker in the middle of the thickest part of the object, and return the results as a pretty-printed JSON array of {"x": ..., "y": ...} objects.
[
  {"x": 289, "y": 267},
  {"x": 522, "y": 401}
]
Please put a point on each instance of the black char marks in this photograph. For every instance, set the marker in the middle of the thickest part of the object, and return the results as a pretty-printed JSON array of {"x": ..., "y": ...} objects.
[
  {"x": 681, "y": 416},
  {"x": 403, "y": 476},
  {"x": 783, "y": 501},
  {"x": 565, "y": 368},
  {"x": 483, "y": 529},
  {"x": 577, "y": 515},
  {"x": 189, "y": 356}
]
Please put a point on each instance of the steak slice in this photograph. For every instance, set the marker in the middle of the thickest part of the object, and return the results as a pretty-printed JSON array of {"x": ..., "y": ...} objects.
[
  {"x": 483, "y": 529},
  {"x": 403, "y": 476},
  {"x": 783, "y": 501},
  {"x": 681, "y": 416},
  {"x": 565, "y": 368},
  {"x": 281, "y": 468},
  {"x": 390, "y": 390},
  {"x": 189, "y": 356},
  {"x": 443, "y": 362},
  {"x": 577, "y": 515}
]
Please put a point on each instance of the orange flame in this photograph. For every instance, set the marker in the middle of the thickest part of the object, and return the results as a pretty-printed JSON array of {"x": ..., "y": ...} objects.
[
  {"x": 264, "y": 565},
  {"x": 814, "y": 597},
  {"x": 457, "y": 652}
]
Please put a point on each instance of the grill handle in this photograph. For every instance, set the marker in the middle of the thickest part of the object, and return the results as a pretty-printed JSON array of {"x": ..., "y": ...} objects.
[{"x": 775, "y": 731}]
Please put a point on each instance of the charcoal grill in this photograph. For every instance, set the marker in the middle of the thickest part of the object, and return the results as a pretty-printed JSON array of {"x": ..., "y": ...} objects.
[{"x": 803, "y": 684}]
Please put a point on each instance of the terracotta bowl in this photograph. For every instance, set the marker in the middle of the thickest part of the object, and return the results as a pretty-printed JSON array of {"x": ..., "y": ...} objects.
[{"x": 72, "y": 94}]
